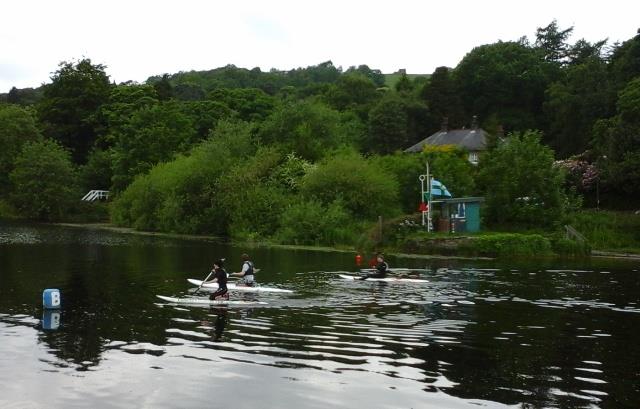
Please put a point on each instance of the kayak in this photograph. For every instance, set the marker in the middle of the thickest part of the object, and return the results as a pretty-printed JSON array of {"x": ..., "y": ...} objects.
[
  {"x": 207, "y": 301},
  {"x": 386, "y": 279},
  {"x": 245, "y": 288}
]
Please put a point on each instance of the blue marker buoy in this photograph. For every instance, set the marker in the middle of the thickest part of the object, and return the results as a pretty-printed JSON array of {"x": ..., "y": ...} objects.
[{"x": 51, "y": 298}]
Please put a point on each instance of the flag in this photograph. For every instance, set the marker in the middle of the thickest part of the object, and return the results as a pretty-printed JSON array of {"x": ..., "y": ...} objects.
[{"x": 437, "y": 190}]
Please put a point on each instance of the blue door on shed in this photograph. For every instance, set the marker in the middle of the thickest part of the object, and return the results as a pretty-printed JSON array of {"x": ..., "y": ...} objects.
[{"x": 473, "y": 216}]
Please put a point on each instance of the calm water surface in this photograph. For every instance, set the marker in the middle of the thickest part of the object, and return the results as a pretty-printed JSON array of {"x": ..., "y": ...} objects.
[{"x": 479, "y": 334}]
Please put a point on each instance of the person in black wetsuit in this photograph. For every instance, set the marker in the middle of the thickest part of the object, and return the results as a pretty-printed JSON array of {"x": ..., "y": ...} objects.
[
  {"x": 219, "y": 276},
  {"x": 247, "y": 272},
  {"x": 381, "y": 269}
]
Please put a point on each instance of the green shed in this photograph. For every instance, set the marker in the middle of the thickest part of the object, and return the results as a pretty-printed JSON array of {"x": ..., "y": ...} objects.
[{"x": 459, "y": 215}]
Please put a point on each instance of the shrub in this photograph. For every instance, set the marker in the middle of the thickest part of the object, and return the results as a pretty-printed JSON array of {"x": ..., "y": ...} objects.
[
  {"x": 366, "y": 191},
  {"x": 509, "y": 244},
  {"x": 44, "y": 181},
  {"x": 184, "y": 195},
  {"x": 310, "y": 222},
  {"x": 17, "y": 127},
  {"x": 522, "y": 185},
  {"x": 309, "y": 129}
]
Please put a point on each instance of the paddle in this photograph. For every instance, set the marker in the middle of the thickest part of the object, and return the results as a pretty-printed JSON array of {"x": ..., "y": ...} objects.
[{"x": 202, "y": 283}]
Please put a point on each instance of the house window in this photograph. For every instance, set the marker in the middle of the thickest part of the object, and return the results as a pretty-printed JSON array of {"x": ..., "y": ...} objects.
[{"x": 473, "y": 157}]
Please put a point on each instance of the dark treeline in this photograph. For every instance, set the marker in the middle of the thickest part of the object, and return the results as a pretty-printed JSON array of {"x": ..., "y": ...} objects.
[{"x": 226, "y": 151}]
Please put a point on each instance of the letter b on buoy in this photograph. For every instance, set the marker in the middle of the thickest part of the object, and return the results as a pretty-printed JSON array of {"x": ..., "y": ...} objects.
[{"x": 51, "y": 298}]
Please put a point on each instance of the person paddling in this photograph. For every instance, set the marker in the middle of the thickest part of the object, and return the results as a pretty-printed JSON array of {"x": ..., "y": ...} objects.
[
  {"x": 219, "y": 276},
  {"x": 381, "y": 269},
  {"x": 247, "y": 273}
]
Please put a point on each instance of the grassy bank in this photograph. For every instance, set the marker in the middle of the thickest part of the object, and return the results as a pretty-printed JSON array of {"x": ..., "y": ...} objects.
[
  {"x": 490, "y": 244},
  {"x": 609, "y": 230}
]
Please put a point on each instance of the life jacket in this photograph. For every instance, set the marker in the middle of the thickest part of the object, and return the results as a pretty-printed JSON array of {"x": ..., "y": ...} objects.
[{"x": 250, "y": 270}]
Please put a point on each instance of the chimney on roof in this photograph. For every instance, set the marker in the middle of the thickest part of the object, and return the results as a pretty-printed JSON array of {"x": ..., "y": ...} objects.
[
  {"x": 445, "y": 124},
  {"x": 474, "y": 122}
]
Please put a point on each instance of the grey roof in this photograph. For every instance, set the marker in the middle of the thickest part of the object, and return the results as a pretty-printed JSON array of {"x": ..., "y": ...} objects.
[{"x": 469, "y": 139}]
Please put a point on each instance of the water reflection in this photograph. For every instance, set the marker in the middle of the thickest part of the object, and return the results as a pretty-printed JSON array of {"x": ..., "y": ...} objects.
[
  {"x": 50, "y": 320},
  {"x": 479, "y": 333}
]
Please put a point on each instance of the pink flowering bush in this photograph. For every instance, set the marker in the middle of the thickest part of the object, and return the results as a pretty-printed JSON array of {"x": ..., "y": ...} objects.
[{"x": 579, "y": 173}]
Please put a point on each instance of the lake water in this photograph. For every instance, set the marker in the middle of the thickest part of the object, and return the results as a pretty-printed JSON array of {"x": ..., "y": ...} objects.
[{"x": 523, "y": 334}]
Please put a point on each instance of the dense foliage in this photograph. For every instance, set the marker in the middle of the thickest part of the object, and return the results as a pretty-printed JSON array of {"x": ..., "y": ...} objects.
[
  {"x": 45, "y": 175},
  {"x": 312, "y": 155},
  {"x": 521, "y": 183}
]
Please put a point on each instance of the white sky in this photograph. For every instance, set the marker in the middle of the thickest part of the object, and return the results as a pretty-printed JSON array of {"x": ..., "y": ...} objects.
[{"x": 139, "y": 38}]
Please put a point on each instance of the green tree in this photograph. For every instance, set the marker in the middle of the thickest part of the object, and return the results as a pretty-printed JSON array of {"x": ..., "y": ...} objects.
[
  {"x": 574, "y": 104},
  {"x": 625, "y": 62},
  {"x": 124, "y": 101},
  {"x": 617, "y": 143},
  {"x": 251, "y": 104},
  {"x": 452, "y": 167},
  {"x": 309, "y": 129},
  {"x": 311, "y": 222},
  {"x": 70, "y": 103},
  {"x": 388, "y": 123},
  {"x": 365, "y": 190},
  {"x": 583, "y": 51},
  {"x": 185, "y": 195},
  {"x": 163, "y": 88},
  {"x": 153, "y": 134},
  {"x": 44, "y": 181},
  {"x": 17, "y": 127},
  {"x": 553, "y": 42},
  {"x": 205, "y": 115},
  {"x": 98, "y": 171},
  {"x": 505, "y": 79},
  {"x": 406, "y": 168},
  {"x": 443, "y": 99},
  {"x": 253, "y": 203},
  {"x": 352, "y": 91},
  {"x": 376, "y": 76},
  {"x": 522, "y": 185},
  {"x": 404, "y": 84},
  {"x": 189, "y": 91}
]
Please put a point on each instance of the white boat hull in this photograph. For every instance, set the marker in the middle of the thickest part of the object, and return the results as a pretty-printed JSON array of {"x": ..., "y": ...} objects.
[
  {"x": 206, "y": 301},
  {"x": 236, "y": 287}
]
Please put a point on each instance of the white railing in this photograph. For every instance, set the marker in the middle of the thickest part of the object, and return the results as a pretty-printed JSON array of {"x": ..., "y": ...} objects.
[
  {"x": 94, "y": 195},
  {"x": 573, "y": 234}
]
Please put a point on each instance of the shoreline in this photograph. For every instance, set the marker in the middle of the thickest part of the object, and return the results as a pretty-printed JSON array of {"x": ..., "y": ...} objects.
[
  {"x": 600, "y": 254},
  {"x": 129, "y": 230}
]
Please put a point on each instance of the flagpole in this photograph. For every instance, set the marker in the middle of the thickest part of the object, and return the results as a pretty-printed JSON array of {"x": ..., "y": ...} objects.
[
  {"x": 428, "y": 200},
  {"x": 421, "y": 177}
]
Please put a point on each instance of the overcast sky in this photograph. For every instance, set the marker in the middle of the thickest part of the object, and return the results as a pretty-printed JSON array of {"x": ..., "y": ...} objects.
[{"x": 139, "y": 38}]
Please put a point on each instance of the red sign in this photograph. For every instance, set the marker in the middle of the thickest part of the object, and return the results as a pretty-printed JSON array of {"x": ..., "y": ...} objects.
[{"x": 424, "y": 207}]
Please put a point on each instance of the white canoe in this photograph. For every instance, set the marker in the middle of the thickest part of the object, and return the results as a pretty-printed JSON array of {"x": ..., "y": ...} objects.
[
  {"x": 245, "y": 288},
  {"x": 386, "y": 279},
  {"x": 207, "y": 301}
]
